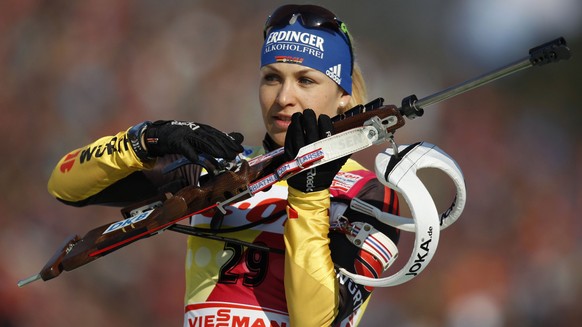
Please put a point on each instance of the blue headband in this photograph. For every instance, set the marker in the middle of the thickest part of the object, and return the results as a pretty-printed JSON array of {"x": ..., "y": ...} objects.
[{"x": 317, "y": 48}]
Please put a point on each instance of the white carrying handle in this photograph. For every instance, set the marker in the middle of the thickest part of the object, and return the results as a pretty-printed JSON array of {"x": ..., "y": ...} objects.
[
  {"x": 433, "y": 157},
  {"x": 400, "y": 174}
]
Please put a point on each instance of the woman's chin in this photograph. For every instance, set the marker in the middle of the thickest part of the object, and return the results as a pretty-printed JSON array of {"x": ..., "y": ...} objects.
[{"x": 278, "y": 137}]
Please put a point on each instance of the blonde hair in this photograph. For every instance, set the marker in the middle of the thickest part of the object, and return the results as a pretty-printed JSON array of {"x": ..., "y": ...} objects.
[{"x": 359, "y": 90}]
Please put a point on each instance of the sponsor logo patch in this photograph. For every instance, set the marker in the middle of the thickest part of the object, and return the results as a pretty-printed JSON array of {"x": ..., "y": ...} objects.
[
  {"x": 69, "y": 161},
  {"x": 232, "y": 314},
  {"x": 127, "y": 222},
  {"x": 296, "y": 41},
  {"x": 344, "y": 181},
  {"x": 334, "y": 73}
]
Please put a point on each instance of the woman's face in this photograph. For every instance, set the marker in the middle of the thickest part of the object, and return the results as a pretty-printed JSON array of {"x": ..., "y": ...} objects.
[{"x": 289, "y": 88}]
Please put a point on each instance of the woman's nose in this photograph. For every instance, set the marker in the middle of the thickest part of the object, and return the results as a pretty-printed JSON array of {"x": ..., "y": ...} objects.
[{"x": 286, "y": 95}]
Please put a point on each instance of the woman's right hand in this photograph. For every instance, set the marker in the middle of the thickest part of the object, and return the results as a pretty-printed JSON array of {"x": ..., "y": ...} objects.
[
  {"x": 306, "y": 128},
  {"x": 190, "y": 140}
]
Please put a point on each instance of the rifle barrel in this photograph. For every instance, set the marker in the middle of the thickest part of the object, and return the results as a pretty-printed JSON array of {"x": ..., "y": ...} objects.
[
  {"x": 549, "y": 52},
  {"x": 473, "y": 83}
]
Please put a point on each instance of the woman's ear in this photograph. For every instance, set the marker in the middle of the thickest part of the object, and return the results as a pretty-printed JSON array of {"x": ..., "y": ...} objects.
[{"x": 343, "y": 102}]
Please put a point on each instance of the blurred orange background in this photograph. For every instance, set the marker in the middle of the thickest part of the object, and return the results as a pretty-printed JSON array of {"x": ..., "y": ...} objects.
[{"x": 72, "y": 71}]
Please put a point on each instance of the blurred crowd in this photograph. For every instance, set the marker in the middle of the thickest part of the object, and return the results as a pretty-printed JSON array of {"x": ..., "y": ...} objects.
[{"x": 71, "y": 71}]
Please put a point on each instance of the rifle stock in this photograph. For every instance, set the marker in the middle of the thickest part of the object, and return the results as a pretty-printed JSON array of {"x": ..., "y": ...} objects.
[{"x": 76, "y": 252}]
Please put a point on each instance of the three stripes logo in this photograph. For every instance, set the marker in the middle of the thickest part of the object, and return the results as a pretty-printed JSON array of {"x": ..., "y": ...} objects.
[{"x": 334, "y": 73}]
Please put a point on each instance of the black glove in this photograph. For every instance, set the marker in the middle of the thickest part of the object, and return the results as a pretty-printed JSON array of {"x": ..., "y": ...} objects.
[
  {"x": 303, "y": 130},
  {"x": 190, "y": 140}
]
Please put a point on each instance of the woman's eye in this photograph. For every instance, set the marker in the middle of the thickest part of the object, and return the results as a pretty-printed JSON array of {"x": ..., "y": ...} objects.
[
  {"x": 305, "y": 81},
  {"x": 271, "y": 78}
]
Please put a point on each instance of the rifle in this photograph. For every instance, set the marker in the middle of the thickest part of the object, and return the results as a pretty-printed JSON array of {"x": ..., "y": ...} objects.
[{"x": 372, "y": 123}]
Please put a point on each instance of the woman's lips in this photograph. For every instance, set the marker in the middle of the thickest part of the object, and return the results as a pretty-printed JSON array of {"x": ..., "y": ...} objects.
[{"x": 282, "y": 122}]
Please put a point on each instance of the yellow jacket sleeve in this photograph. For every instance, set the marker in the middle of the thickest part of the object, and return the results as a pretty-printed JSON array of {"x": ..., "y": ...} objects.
[
  {"x": 87, "y": 171},
  {"x": 311, "y": 288}
]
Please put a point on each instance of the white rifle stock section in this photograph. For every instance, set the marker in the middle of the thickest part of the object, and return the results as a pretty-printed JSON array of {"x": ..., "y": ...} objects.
[{"x": 351, "y": 141}]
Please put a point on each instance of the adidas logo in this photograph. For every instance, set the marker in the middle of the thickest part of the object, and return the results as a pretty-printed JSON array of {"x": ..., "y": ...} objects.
[{"x": 334, "y": 73}]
